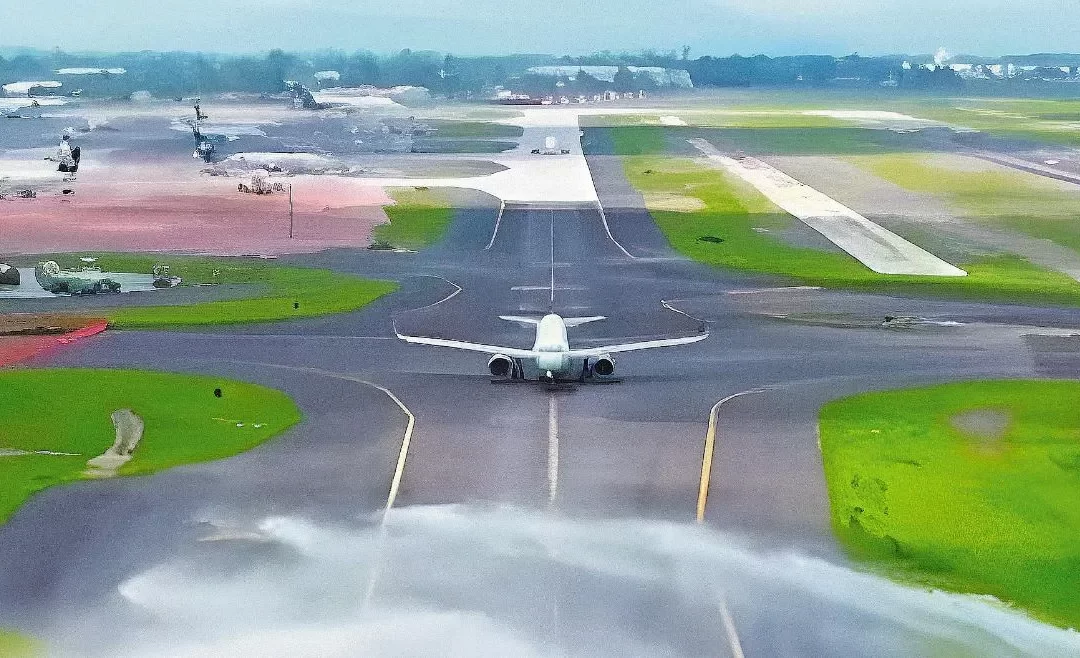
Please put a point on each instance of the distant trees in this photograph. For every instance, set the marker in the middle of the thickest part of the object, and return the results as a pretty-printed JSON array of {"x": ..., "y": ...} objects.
[
  {"x": 936, "y": 79},
  {"x": 176, "y": 74}
]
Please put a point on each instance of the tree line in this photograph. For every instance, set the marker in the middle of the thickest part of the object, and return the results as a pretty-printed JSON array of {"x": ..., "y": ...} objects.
[{"x": 175, "y": 74}]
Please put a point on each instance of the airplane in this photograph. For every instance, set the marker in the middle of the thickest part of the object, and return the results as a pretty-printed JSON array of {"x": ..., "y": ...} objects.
[{"x": 551, "y": 351}]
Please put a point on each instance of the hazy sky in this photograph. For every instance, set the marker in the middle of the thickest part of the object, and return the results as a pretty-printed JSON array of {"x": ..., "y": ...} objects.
[{"x": 561, "y": 26}]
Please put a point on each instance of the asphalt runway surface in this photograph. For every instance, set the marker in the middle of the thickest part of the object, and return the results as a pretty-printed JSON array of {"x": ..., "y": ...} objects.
[{"x": 630, "y": 450}]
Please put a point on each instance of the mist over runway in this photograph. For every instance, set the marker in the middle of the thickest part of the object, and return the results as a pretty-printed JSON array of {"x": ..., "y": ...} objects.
[{"x": 485, "y": 580}]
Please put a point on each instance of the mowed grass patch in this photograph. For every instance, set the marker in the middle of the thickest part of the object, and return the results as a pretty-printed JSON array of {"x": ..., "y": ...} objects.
[
  {"x": 1050, "y": 121},
  {"x": 782, "y": 138},
  {"x": 68, "y": 411},
  {"x": 917, "y": 488},
  {"x": 639, "y": 140},
  {"x": 14, "y": 645},
  {"x": 749, "y": 227},
  {"x": 418, "y": 218},
  {"x": 449, "y": 129},
  {"x": 806, "y": 140},
  {"x": 717, "y": 119},
  {"x": 277, "y": 292},
  {"x": 1016, "y": 200}
]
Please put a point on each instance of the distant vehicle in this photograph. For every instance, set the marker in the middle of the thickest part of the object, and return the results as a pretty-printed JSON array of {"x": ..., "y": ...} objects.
[
  {"x": 302, "y": 97},
  {"x": 204, "y": 144},
  {"x": 260, "y": 184},
  {"x": 86, "y": 281},
  {"x": 551, "y": 353},
  {"x": 551, "y": 147},
  {"x": 518, "y": 100},
  {"x": 9, "y": 276},
  {"x": 68, "y": 158},
  {"x": 163, "y": 278}
]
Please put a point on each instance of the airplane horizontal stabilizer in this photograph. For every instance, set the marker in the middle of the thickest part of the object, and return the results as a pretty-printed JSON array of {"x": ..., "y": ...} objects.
[
  {"x": 633, "y": 347},
  {"x": 574, "y": 322}
]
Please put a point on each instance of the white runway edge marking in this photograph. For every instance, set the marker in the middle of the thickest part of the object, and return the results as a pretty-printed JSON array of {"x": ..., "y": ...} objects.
[
  {"x": 757, "y": 291},
  {"x": 553, "y": 448},
  {"x": 552, "y": 260},
  {"x": 669, "y": 305},
  {"x": 879, "y": 249},
  {"x": 406, "y": 439},
  {"x": 399, "y": 469},
  {"x": 729, "y": 629},
  {"x": 607, "y": 229},
  {"x": 457, "y": 291},
  {"x": 498, "y": 221}
]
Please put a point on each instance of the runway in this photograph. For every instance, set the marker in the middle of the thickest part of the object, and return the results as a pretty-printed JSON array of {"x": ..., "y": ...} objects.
[{"x": 627, "y": 451}]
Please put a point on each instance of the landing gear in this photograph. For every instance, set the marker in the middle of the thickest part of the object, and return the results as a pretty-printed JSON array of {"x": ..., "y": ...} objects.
[{"x": 585, "y": 370}]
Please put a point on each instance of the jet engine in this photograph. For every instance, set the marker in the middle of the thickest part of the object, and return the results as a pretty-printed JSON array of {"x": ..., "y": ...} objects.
[
  {"x": 604, "y": 366},
  {"x": 501, "y": 366}
]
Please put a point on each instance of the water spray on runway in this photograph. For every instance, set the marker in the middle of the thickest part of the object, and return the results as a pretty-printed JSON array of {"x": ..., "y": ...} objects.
[{"x": 479, "y": 581}]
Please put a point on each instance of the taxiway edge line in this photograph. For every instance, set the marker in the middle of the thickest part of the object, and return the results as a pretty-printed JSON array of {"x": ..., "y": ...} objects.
[
  {"x": 498, "y": 220},
  {"x": 710, "y": 448},
  {"x": 457, "y": 291},
  {"x": 406, "y": 439},
  {"x": 729, "y": 628},
  {"x": 607, "y": 229}
]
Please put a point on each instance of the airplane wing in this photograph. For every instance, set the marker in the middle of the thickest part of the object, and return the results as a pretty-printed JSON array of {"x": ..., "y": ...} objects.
[
  {"x": 632, "y": 347},
  {"x": 512, "y": 352}
]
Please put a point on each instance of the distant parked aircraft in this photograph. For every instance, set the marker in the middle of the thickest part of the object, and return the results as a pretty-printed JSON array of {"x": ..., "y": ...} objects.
[{"x": 551, "y": 352}]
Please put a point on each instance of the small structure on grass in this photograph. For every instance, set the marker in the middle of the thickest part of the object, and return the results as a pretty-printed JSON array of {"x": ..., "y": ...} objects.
[
  {"x": 9, "y": 276},
  {"x": 129, "y": 431}
]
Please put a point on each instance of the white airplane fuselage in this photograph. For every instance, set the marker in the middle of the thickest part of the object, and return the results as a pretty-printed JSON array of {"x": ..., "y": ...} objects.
[{"x": 551, "y": 340}]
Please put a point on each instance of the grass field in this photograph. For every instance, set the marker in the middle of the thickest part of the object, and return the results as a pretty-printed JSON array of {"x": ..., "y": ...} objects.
[
  {"x": 13, "y": 645},
  {"x": 747, "y": 222},
  {"x": 940, "y": 503},
  {"x": 68, "y": 411},
  {"x": 734, "y": 118},
  {"x": 1050, "y": 121},
  {"x": 447, "y": 129},
  {"x": 418, "y": 219},
  {"x": 778, "y": 139},
  {"x": 1016, "y": 200},
  {"x": 278, "y": 293}
]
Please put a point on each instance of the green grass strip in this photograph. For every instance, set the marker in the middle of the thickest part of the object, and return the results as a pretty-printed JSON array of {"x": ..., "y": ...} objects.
[
  {"x": 749, "y": 226},
  {"x": 68, "y": 411},
  {"x": 277, "y": 292},
  {"x": 1015, "y": 200},
  {"x": 419, "y": 218},
  {"x": 938, "y": 503}
]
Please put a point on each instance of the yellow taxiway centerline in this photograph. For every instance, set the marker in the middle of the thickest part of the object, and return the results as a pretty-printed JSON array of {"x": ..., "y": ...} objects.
[{"x": 710, "y": 448}]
